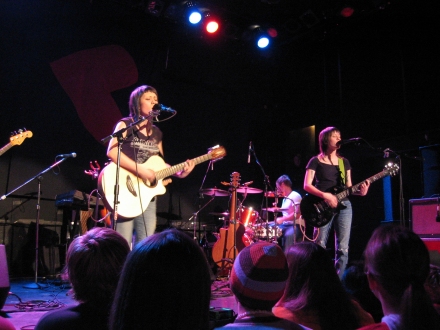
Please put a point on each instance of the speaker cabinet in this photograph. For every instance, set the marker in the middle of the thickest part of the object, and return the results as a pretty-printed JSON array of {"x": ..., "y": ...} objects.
[
  {"x": 4, "y": 277},
  {"x": 423, "y": 213}
]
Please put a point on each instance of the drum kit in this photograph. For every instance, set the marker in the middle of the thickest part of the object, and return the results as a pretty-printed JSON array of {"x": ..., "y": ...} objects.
[{"x": 256, "y": 228}]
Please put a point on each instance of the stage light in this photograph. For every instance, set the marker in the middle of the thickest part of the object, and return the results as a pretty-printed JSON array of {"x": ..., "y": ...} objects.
[
  {"x": 258, "y": 36},
  {"x": 210, "y": 22},
  {"x": 346, "y": 11},
  {"x": 263, "y": 42},
  {"x": 195, "y": 17}
]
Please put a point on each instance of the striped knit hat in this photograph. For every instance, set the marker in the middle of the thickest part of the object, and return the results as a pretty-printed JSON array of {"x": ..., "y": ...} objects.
[{"x": 259, "y": 275}]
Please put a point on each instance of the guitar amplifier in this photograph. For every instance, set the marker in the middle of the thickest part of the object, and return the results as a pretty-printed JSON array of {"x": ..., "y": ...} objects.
[{"x": 424, "y": 216}]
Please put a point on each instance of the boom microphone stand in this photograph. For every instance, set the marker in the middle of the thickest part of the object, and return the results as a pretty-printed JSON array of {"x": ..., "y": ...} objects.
[
  {"x": 39, "y": 177},
  {"x": 120, "y": 139}
]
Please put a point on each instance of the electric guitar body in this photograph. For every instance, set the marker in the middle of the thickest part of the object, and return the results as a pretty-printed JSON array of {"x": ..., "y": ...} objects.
[{"x": 315, "y": 210}]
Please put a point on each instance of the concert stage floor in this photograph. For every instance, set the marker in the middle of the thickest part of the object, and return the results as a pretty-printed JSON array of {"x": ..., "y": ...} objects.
[{"x": 25, "y": 306}]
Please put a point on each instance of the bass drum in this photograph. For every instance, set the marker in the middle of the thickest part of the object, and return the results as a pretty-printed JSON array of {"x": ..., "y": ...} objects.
[{"x": 248, "y": 216}]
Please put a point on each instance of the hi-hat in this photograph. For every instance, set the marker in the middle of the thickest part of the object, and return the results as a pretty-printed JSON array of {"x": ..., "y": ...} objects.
[
  {"x": 249, "y": 190},
  {"x": 214, "y": 192},
  {"x": 273, "y": 194},
  {"x": 274, "y": 209}
]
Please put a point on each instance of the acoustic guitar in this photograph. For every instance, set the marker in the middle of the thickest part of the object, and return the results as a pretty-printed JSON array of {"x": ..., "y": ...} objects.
[
  {"x": 16, "y": 140},
  {"x": 316, "y": 212},
  {"x": 135, "y": 194}
]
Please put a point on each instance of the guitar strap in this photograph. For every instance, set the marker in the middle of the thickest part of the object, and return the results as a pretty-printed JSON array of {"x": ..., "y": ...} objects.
[{"x": 342, "y": 170}]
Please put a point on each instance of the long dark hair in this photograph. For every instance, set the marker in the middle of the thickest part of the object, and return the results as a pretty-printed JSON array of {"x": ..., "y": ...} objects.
[
  {"x": 165, "y": 284},
  {"x": 313, "y": 285},
  {"x": 398, "y": 259}
]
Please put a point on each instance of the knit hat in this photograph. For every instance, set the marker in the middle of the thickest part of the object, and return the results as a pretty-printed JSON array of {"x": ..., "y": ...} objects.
[{"x": 259, "y": 275}]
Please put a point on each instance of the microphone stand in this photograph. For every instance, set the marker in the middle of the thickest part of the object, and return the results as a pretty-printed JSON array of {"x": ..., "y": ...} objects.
[
  {"x": 266, "y": 186},
  {"x": 39, "y": 177},
  {"x": 120, "y": 139}
]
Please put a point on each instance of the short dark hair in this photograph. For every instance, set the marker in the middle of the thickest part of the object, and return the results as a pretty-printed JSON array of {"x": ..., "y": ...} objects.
[
  {"x": 284, "y": 179},
  {"x": 324, "y": 136},
  {"x": 93, "y": 264},
  {"x": 134, "y": 101}
]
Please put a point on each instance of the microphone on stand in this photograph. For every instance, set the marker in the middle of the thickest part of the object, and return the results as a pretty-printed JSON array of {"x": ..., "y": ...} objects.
[
  {"x": 249, "y": 152},
  {"x": 159, "y": 109},
  {"x": 352, "y": 140},
  {"x": 73, "y": 155},
  {"x": 163, "y": 108},
  {"x": 386, "y": 153}
]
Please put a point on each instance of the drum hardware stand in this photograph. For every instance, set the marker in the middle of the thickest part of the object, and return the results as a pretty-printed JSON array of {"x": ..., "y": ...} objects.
[
  {"x": 120, "y": 139},
  {"x": 267, "y": 185},
  {"x": 195, "y": 217},
  {"x": 39, "y": 178}
]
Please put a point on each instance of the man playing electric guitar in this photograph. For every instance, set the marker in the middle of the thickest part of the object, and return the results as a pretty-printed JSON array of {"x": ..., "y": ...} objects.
[
  {"x": 139, "y": 144},
  {"x": 323, "y": 172}
]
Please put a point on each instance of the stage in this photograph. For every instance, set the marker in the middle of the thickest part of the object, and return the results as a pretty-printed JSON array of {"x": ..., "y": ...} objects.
[{"x": 25, "y": 306}]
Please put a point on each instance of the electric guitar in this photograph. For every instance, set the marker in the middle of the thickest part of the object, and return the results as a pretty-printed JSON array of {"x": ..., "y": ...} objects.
[
  {"x": 16, "y": 139},
  {"x": 316, "y": 212},
  {"x": 134, "y": 193}
]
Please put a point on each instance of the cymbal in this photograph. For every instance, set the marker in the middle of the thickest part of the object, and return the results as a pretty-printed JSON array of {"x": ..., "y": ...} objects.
[
  {"x": 168, "y": 216},
  {"x": 214, "y": 192},
  {"x": 273, "y": 194},
  {"x": 220, "y": 214},
  {"x": 274, "y": 209},
  {"x": 249, "y": 190}
]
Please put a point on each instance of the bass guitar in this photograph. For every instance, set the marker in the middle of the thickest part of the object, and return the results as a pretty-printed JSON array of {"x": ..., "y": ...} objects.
[
  {"x": 134, "y": 193},
  {"x": 316, "y": 212},
  {"x": 16, "y": 139}
]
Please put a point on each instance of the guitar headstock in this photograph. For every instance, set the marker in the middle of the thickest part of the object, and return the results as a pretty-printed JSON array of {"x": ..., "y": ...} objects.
[
  {"x": 392, "y": 169},
  {"x": 217, "y": 152},
  {"x": 235, "y": 180},
  {"x": 18, "y": 137}
]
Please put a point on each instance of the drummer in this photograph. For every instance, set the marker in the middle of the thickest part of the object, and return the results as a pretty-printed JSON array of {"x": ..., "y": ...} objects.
[{"x": 289, "y": 220}]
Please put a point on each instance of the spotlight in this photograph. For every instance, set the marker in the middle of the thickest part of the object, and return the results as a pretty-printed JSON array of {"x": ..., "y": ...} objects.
[
  {"x": 259, "y": 36},
  {"x": 195, "y": 17},
  {"x": 346, "y": 11},
  {"x": 210, "y": 23}
]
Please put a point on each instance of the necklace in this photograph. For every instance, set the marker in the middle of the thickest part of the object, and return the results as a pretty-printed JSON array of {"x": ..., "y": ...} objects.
[{"x": 254, "y": 313}]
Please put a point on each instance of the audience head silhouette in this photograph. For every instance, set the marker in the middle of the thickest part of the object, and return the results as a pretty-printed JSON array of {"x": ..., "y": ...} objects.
[
  {"x": 397, "y": 266},
  {"x": 165, "y": 284},
  {"x": 259, "y": 275},
  {"x": 312, "y": 290}
]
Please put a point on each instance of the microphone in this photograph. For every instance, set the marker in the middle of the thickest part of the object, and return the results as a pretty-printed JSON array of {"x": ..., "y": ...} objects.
[
  {"x": 249, "y": 152},
  {"x": 342, "y": 142},
  {"x": 73, "y": 155},
  {"x": 163, "y": 108},
  {"x": 386, "y": 153}
]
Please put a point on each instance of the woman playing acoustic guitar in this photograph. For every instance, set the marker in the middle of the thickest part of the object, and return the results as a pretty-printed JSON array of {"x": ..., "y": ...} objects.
[
  {"x": 137, "y": 147},
  {"x": 323, "y": 172}
]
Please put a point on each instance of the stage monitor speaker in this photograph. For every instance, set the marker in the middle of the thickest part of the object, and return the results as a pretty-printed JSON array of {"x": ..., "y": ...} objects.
[
  {"x": 424, "y": 216},
  {"x": 4, "y": 277}
]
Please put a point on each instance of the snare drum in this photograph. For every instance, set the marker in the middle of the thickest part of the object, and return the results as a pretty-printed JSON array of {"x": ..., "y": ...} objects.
[
  {"x": 248, "y": 216},
  {"x": 263, "y": 233}
]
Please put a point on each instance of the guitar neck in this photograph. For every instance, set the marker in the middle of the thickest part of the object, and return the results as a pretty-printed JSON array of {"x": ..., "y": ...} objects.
[
  {"x": 5, "y": 148},
  {"x": 353, "y": 189},
  {"x": 179, "y": 167}
]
